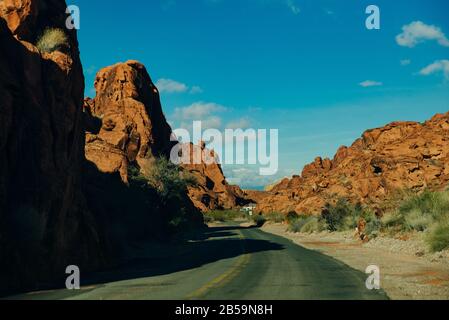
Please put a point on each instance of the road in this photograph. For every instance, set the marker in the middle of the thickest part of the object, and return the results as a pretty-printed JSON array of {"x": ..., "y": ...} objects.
[{"x": 228, "y": 262}]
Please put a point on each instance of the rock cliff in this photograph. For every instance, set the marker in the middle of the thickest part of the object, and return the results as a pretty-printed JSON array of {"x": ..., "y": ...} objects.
[
  {"x": 133, "y": 126},
  {"x": 401, "y": 155},
  {"x": 212, "y": 191},
  {"x": 45, "y": 224}
]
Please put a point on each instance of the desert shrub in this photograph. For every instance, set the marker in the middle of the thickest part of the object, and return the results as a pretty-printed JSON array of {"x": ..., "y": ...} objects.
[
  {"x": 313, "y": 224},
  {"x": 434, "y": 204},
  {"x": 438, "y": 239},
  {"x": 168, "y": 179},
  {"x": 342, "y": 216},
  {"x": 418, "y": 212},
  {"x": 208, "y": 219},
  {"x": 295, "y": 225},
  {"x": 393, "y": 219},
  {"x": 373, "y": 228},
  {"x": 168, "y": 182},
  {"x": 222, "y": 215},
  {"x": 275, "y": 217},
  {"x": 52, "y": 40},
  {"x": 417, "y": 220},
  {"x": 259, "y": 220},
  {"x": 291, "y": 216}
]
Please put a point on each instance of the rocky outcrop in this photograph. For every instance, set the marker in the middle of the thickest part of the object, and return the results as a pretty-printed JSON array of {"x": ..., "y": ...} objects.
[
  {"x": 133, "y": 126},
  {"x": 45, "y": 224},
  {"x": 401, "y": 155},
  {"x": 212, "y": 191},
  {"x": 125, "y": 125}
]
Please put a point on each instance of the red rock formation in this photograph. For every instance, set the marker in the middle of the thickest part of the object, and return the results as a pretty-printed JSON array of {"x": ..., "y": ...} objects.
[
  {"x": 212, "y": 191},
  {"x": 401, "y": 155},
  {"x": 133, "y": 126},
  {"x": 44, "y": 222},
  {"x": 132, "y": 129}
]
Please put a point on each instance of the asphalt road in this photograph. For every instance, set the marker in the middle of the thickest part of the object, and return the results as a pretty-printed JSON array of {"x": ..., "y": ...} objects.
[{"x": 224, "y": 263}]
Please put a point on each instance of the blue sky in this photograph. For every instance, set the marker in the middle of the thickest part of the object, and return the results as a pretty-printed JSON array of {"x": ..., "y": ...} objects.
[{"x": 309, "y": 68}]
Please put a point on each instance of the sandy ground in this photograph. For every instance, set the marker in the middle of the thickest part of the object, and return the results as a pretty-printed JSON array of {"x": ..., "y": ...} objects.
[{"x": 408, "y": 270}]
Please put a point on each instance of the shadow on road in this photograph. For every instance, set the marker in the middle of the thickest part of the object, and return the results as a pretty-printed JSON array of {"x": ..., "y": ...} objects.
[{"x": 213, "y": 244}]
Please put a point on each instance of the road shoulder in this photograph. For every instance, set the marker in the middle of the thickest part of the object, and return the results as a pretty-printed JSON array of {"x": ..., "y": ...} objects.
[{"x": 403, "y": 274}]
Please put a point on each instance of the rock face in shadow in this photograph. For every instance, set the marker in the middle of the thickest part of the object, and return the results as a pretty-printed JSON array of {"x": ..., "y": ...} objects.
[
  {"x": 133, "y": 126},
  {"x": 126, "y": 125},
  {"x": 212, "y": 191},
  {"x": 401, "y": 155},
  {"x": 126, "y": 131},
  {"x": 45, "y": 224}
]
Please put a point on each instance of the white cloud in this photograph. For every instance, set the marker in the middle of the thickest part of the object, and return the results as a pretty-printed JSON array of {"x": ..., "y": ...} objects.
[
  {"x": 195, "y": 90},
  {"x": 405, "y": 62},
  {"x": 249, "y": 177},
  {"x": 198, "y": 110},
  {"x": 370, "y": 83},
  {"x": 293, "y": 7},
  {"x": 242, "y": 123},
  {"x": 418, "y": 32},
  {"x": 206, "y": 112},
  {"x": 436, "y": 67},
  {"x": 171, "y": 86}
]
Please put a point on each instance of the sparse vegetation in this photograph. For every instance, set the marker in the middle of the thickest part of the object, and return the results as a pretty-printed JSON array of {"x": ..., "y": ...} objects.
[
  {"x": 52, "y": 39},
  {"x": 307, "y": 224},
  {"x": 426, "y": 212},
  {"x": 419, "y": 212},
  {"x": 438, "y": 239},
  {"x": 314, "y": 224},
  {"x": 170, "y": 183},
  {"x": 259, "y": 220},
  {"x": 168, "y": 179},
  {"x": 275, "y": 217},
  {"x": 295, "y": 225},
  {"x": 223, "y": 215},
  {"x": 291, "y": 216},
  {"x": 344, "y": 216}
]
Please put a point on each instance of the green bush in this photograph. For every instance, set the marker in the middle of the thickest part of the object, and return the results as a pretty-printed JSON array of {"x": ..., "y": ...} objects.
[
  {"x": 343, "y": 215},
  {"x": 393, "y": 219},
  {"x": 295, "y": 225},
  {"x": 434, "y": 204},
  {"x": 208, "y": 219},
  {"x": 313, "y": 224},
  {"x": 307, "y": 224},
  {"x": 259, "y": 220},
  {"x": 418, "y": 212},
  {"x": 438, "y": 239},
  {"x": 373, "y": 228},
  {"x": 169, "y": 183},
  {"x": 222, "y": 215},
  {"x": 52, "y": 40},
  {"x": 275, "y": 217},
  {"x": 291, "y": 216},
  {"x": 417, "y": 220},
  {"x": 168, "y": 179}
]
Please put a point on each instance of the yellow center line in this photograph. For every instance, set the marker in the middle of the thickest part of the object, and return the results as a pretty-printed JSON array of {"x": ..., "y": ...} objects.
[{"x": 226, "y": 277}]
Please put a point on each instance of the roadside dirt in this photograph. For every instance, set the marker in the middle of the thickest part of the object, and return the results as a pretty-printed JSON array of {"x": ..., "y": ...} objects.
[{"x": 408, "y": 271}]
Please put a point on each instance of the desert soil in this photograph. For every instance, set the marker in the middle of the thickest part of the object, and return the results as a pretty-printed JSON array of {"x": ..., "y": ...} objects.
[{"x": 408, "y": 270}]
